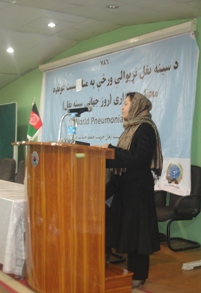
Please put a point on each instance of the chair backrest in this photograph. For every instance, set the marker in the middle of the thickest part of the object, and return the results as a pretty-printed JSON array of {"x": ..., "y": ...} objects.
[
  {"x": 173, "y": 198},
  {"x": 190, "y": 205},
  {"x": 160, "y": 198},
  {"x": 7, "y": 169},
  {"x": 19, "y": 178}
]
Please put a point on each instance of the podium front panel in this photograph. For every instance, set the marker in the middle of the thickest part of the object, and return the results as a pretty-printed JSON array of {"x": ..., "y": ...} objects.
[{"x": 66, "y": 218}]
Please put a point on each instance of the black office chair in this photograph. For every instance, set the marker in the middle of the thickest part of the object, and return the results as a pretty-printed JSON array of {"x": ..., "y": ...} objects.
[
  {"x": 19, "y": 178},
  {"x": 182, "y": 208},
  {"x": 7, "y": 169}
]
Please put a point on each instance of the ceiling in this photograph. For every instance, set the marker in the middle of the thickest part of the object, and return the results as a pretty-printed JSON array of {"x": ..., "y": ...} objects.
[{"x": 23, "y": 26}]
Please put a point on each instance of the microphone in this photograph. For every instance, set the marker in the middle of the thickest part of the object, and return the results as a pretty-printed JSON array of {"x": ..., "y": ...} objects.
[{"x": 79, "y": 111}]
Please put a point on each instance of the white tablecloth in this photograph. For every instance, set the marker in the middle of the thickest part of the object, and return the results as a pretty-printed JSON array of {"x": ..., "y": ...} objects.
[{"x": 12, "y": 226}]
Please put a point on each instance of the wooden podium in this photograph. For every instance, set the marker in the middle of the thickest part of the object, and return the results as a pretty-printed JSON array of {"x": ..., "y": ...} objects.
[{"x": 66, "y": 217}]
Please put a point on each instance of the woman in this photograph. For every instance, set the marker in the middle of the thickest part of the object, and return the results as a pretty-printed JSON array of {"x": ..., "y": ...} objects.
[{"x": 131, "y": 224}]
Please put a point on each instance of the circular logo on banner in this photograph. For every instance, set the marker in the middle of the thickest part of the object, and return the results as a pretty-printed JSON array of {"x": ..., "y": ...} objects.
[
  {"x": 34, "y": 159},
  {"x": 174, "y": 173}
]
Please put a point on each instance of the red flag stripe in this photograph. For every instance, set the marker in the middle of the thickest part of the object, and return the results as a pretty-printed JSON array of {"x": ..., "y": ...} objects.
[{"x": 35, "y": 120}]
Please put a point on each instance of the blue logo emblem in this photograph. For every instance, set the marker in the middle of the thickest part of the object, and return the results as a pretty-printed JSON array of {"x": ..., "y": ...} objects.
[
  {"x": 34, "y": 159},
  {"x": 174, "y": 173}
]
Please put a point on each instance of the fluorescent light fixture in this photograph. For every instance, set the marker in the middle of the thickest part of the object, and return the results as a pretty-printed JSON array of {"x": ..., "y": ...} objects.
[
  {"x": 51, "y": 24},
  {"x": 10, "y": 50}
]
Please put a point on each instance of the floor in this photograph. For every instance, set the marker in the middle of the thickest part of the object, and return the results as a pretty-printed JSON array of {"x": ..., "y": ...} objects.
[
  {"x": 8, "y": 284},
  {"x": 166, "y": 274}
]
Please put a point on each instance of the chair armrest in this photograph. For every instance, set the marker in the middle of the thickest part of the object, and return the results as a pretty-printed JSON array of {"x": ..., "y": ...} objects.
[{"x": 187, "y": 206}]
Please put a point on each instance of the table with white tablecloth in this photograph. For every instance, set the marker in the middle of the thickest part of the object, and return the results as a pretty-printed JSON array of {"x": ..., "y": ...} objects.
[{"x": 12, "y": 227}]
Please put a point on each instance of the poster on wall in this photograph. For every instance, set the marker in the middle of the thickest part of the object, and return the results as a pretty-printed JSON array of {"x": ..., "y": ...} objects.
[{"x": 165, "y": 71}]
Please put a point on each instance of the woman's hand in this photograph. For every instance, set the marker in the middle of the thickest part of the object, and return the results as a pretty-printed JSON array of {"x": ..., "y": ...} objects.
[{"x": 105, "y": 146}]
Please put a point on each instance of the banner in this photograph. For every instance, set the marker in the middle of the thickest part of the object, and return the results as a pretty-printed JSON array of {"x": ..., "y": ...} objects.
[{"x": 165, "y": 71}]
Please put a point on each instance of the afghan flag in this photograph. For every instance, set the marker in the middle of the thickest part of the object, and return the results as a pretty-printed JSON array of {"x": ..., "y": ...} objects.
[{"x": 35, "y": 123}]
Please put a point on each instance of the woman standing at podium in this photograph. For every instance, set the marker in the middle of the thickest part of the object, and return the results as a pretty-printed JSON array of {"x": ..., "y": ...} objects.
[{"x": 131, "y": 224}]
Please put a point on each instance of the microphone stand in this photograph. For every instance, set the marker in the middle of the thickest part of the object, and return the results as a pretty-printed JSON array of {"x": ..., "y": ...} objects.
[{"x": 60, "y": 125}]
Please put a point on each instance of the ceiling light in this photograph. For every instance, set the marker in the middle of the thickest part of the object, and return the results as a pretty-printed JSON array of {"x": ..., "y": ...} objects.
[
  {"x": 51, "y": 24},
  {"x": 10, "y": 50},
  {"x": 112, "y": 6}
]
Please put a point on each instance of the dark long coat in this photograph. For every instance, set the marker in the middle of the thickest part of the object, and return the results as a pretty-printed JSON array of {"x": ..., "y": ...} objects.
[{"x": 131, "y": 224}]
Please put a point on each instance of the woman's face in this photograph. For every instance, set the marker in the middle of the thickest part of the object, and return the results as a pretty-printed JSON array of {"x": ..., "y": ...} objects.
[{"x": 126, "y": 107}]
